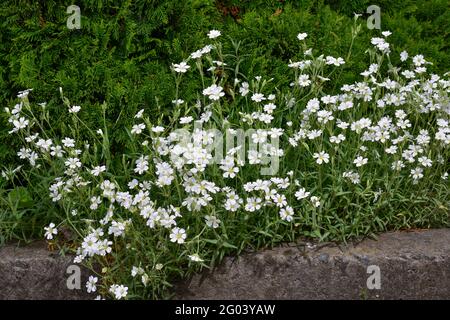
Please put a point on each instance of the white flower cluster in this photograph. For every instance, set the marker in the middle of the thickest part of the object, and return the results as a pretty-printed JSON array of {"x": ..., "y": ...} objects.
[{"x": 399, "y": 122}]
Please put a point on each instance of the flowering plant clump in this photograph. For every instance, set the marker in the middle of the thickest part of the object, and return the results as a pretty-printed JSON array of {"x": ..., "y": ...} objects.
[{"x": 329, "y": 166}]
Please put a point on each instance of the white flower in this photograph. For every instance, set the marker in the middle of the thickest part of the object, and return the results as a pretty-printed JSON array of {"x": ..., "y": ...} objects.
[
  {"x": 386, "y": 33},
  {"x": 253, "y": 204},
  {"x": 352, "y": 176},
  {"x": 279, "y": 200},
  {"x": 178, "y": 102},
  {"x": 342, "y": 124},
  {"x": 403, "y": 56},
  {"x": 196, "y": 54},
  {"x": 97, "y": 170},
  {"x": 157, "y": 129},
  {"x": 360, "y": 161},
  {"x": 32, "y": 137},
  {"x": 44, "y": 144},
  {"x": 418, "y": 60},
  {"x": 207, "y": 49},
  {"x": 260, "y": 136},
  {"x": 269, "y": 107},
  {"x": 68, "y": 142},
  {"x": 214, "y": 92},
  {"x": 229, "y": 171},
  {"x": 244, "y": 89},
  {"x": 302, "y": 36},
  {"x": 313, "y": 105},
  {"x": 144, "y": 279},
  {"x": 397, "y": 165},
  {"x": 117, "y": 228},
  {"x": 74, "y": 109},
  {"x": 258, "y": 97},
  {"x": 57, "y": 151},
  {"x": 302, "y": 193},
  {"x": 139, "y": 114},
  {"x": 137, "y": 128},
  {"x": 136, "y": 271},
  {"x": 73, "y": 163},
  {"x": 180, "y": 67},
  {"x": 21, "y": 123},
  {"x": 266, "y": 118},
  {"x": 424, "y": 161},
  {"x": 321, "y": 157},
  {"x": 178, "y": 235},
  {"x": 214, "y": 34},
  {"x": 391, "y": 150},
  {"x": 408, "y": 74},
  {"x": 195, "y": 257},
  {"x": 315, "y": 201},
  {"x": 345, "y": 105},
  {"x": 334, "y": 61},
  {"x": 119, "y": 291},
  {"x": 303, "y": 80},
  {"x": 417, "y": 173},
  {"x": 24, "y": 94},
  {"x": 50, "y": 231},
  {"x": 186, "y": 120},
  {"x": 24, "y": 153},
  {"x": 141, "y": 165},
  {"x": 324, "y": 116},
  {"x": 212, "y": 221},
  {"x": 381, "y": 44},
  {"x": 90, "y": 284},
  {"x": 337, "y": 139},
  {"x": 287, "y": 214}
]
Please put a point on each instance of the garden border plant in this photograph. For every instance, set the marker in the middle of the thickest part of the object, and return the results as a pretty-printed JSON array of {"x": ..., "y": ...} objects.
[{"x": 371, "y": 158}]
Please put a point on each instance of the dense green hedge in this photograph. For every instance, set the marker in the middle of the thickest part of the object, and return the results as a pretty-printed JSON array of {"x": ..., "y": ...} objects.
[{"x": 123, "y": 51}]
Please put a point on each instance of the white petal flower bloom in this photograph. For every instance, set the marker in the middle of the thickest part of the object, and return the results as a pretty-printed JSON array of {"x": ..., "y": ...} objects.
[
  {"x": 214, "y": 92},
  {"x": 213, "y": 34},
  {"x": 321, "y": 157},
  {"x": 91, "y": 284},
  {"x": 181, "y": 67},
  {"x": 302, "y": 36},
  {"x": 119, "y": 291},
  {"x": 50, "y": 231},
  {"x": 195, "y": 257},
  {"x": 178, "y": 235}
]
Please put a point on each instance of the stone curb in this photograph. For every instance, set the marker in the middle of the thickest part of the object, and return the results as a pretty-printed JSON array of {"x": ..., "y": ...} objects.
[
  {"x": 412, "y": 265},
  {"x": 35, "y": 273}
]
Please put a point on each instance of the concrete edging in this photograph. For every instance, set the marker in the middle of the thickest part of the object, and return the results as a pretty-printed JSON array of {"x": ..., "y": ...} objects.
[{"x": 412, "y": 265}]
